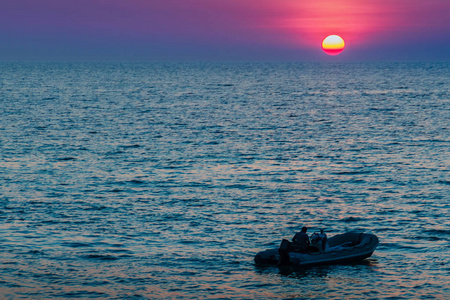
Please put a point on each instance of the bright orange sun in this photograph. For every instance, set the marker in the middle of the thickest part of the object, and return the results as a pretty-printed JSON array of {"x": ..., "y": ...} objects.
[{"x": 333, "y": 45}]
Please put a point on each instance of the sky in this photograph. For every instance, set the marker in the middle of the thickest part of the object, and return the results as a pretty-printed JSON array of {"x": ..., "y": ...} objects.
[{"x": 223, "y": 30}]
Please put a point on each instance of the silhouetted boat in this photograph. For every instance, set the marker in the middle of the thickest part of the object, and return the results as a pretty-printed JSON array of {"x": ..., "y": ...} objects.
[{"x": 346, "y": 247}]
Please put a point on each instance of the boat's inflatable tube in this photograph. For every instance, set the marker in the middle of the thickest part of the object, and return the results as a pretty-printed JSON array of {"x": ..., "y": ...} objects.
[{"x": 347, "y": 247}]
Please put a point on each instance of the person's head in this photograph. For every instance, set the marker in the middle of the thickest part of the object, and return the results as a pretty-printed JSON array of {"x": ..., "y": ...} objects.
[
  {"x": 321, "y": 230},
  {"x": 304, "y": 229}
]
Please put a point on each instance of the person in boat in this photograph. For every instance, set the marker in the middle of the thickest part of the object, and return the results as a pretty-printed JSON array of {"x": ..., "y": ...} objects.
[
  {"x": 319, "y": 241},
  {"x": 301, "y": 240},
  {"x": 323, "y": 238}
]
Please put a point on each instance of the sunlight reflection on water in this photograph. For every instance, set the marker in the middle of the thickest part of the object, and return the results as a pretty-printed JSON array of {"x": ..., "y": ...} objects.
[{"x": 164, "y": 180}]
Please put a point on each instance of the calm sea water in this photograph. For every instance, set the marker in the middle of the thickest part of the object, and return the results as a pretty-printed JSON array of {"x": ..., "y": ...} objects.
[{"x": 142, "y": 181}]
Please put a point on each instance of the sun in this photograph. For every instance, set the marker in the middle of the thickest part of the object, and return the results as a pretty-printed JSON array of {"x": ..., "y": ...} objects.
[{"x": 333, "y": 45}]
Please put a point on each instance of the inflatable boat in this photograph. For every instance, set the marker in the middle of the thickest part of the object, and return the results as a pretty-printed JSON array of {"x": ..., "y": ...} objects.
[{"x": 346, "y": 247}]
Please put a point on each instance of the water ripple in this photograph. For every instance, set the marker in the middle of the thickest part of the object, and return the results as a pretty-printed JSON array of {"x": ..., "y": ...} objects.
[{"x": 162, "y": 181}]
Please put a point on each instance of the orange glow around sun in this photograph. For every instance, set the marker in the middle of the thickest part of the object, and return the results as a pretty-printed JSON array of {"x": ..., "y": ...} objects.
[{"x": 333, "y": 45}]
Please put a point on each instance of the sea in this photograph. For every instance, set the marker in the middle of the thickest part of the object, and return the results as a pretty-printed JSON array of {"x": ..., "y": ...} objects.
[{"x": 162, "y": 180}]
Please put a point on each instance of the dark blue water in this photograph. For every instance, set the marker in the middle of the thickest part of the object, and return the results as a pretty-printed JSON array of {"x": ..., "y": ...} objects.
[{"x": 140, "y": 181}]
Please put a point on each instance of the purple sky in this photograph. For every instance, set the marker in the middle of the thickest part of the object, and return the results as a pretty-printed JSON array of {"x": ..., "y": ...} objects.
[{"x": 270, "y": 30}]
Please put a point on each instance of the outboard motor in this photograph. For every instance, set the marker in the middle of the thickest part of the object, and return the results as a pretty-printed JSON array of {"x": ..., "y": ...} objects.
[{"x": 283, "y": 250}]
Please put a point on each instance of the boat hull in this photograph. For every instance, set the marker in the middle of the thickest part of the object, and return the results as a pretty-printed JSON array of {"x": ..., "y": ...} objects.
[{"x": 344, "y": 248}]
